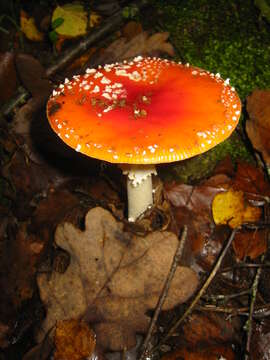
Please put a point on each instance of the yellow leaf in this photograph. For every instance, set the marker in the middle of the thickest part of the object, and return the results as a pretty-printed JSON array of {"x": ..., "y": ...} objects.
[
  {"x": 29, "y": 28},
  {"x": 75, "y": 20},
  {"x": 232, "y": 208},
  {"x": 94, "y": 19}
]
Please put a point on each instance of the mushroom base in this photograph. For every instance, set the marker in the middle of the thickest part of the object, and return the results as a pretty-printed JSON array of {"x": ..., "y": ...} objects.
[
  {"x": 140, "y": 197},
  {"x": 139, "y": 189}
]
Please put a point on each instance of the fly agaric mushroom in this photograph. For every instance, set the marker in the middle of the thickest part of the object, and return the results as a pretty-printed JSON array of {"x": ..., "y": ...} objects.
[{"x": 141, "y": 113}]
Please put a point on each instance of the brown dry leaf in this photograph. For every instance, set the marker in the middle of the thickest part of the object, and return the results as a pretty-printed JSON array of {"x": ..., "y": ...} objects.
[
  {"x": 59, "y": 205},
  {"x": 131, "y": 29},
  {"x": 258, "y": 126},
  {"x": 206, "y": 336},
  {"x": 73, "y": 340},
  {"x": 29, "y": 28},
  {"x": 113, "y": 279},
  {"x": 210, "y": 329},
  {"x": 141, "y": 44},
  {"x": 20, "y": 256},
  {"x": 28, "y": 179},
  {"x": 8, "y": 78},
  {"x": 250, "y": 244},
  {"x": 33, "y": 76},
  {"x": 252, "y": 181},
  {"x": 232, "y": 208},
  {"x": 82, "y": 60}
]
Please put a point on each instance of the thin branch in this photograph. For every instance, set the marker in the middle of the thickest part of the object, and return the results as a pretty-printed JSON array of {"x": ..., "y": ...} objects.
[
  {"x": 225, "y": 298},
  {"x": 201, "y": 291},
  {"x": 248, "y": 325},
  {"x": 260, "y": 311},
  {"x": 179, "y": 251}
]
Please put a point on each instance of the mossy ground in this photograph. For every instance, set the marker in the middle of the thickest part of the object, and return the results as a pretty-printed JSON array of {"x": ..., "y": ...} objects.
[{"x": 226, "y": 36}]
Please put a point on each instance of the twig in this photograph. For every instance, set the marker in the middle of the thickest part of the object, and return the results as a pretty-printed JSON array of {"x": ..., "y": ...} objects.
[
  {"x": 243, "y": 266},
  {"x": 260, "y": 311},
  {"x": 201, "y": 291},
  {"x": 108, "y": 26},
  {"x": 163, "y": 296},
  {"x": 225, "y": 298},
  {"x": 248, "y": 325}
]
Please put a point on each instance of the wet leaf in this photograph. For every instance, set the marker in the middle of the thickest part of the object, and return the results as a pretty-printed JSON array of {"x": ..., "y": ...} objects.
[
  {"x": 258, "y": 125},
  {"x": 233, "y": 209},
  {"x": 250, "y": 244},
  {"x": 73, "y": 340},
  {"x": 75, "y": 20},
  {"x": 113, "y": 278},
  {"x": 29, "y": 28}
]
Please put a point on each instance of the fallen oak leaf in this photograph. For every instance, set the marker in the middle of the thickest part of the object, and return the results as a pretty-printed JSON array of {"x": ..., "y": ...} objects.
[{"x": 113, "y": 279}]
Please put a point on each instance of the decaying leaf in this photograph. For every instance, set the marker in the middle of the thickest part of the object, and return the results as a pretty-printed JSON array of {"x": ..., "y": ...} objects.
[
  {"x": 206, "y": 336},
  {"x": 73, "y": 340},
  {"x": 29, "y": 28},
  {"x": 250, "y": 244},
  {"x": 75, "y": 20},
  {"x": 258, "y": 126},
  {"x": 38, "y": 85},
  {"x": 208, "y": 353},
  {"x": 260, "y": 341},
  {"x": 20, "y": 255},
  {"x": 8, "y": 76},
  {"x": 233, "y": 209},
  {"x": 113, "y": 278}
]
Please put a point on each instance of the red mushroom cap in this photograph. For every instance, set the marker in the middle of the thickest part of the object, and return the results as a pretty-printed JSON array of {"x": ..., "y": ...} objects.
[{"x": 145, "y": 111}]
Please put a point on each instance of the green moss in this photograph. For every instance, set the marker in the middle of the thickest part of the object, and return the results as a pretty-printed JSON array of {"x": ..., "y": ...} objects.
[
  {"x": 202, "y": 166},
  {"x": 224, "y": 36}
]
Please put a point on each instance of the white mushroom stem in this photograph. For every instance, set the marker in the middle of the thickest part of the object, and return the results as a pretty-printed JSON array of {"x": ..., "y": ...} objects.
[{"x": 139, "y": 189}]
